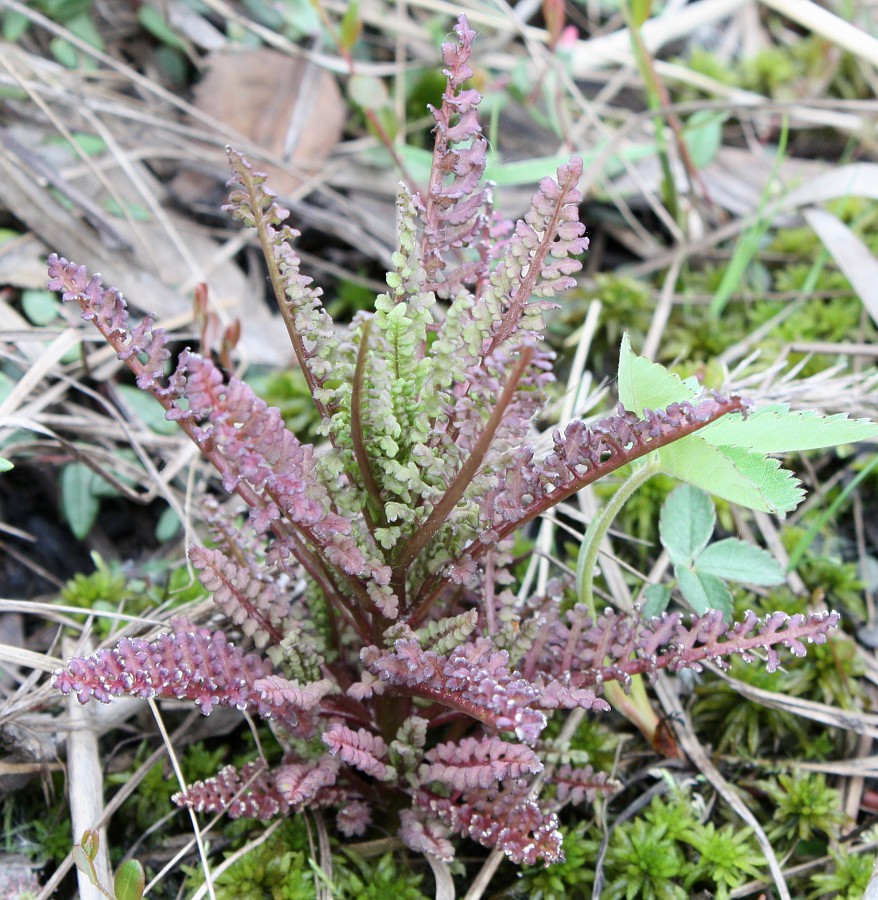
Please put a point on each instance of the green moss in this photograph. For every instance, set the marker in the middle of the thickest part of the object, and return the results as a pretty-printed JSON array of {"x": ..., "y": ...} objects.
[
  {"x": 848, "y": 879},
  {"x": 728, "y": 857},
  {"x": 277, "y": 869},
  {"x": 376, "y": 880},
  {"x": 804, "y": 805},
  {"x": 646, "y": 864}
]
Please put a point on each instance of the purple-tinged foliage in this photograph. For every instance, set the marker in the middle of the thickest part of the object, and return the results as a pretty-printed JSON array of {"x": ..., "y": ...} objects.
[
  {"x": 473, "y": 679},
  {"x": 580, "y": 785},
  {"x": 500, "y": 816},
  {"x": 361, "y": 749},
  {"x": 374, "y": 574},
  {"x": 474, "y": 763},
  {"x": 575, "y": 653},
  {"x": 250, "y": 792},
  {"x": 425, "y": 837},
  {"x": 456, "y": 208},
  {"x": 193, "y": 664},
  {"x": 106, "y": 308},
  {"x": 298, "y": 783},
  {"x": 354, "y": 819}
]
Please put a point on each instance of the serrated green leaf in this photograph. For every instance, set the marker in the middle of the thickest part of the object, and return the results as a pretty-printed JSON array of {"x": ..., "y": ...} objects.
[
  {"x": 703, "y": 592},
  {"x": 79, "y": 505},
  {"x": 692, "y": 589},
  {"x": 737, "y": 560},
  {"x": 648, "y": 385},
  {"x": 774, "y": 429},
  {"x": 5, "y": 464},
  {"x": 696, "y": 462},
  {"x": 129, "y": 881},
  {"x": 656, "y": 598},
  {"x": 733, "y": 473},
  {"x": 686, "y": 523},
  {"x": 780, "y": 489}
]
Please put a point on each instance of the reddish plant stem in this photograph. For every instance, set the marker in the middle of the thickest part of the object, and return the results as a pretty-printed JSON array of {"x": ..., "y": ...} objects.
[
  {"x": 433, "y": 585},
  {"x": 467, "y": 471}
]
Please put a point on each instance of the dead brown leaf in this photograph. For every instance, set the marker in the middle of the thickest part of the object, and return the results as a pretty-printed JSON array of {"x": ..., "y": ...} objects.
[{"x": 285, "y": 104}]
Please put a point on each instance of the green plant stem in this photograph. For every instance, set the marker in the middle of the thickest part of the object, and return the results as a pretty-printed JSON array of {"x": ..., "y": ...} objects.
[{"x": 597, "y": 530}]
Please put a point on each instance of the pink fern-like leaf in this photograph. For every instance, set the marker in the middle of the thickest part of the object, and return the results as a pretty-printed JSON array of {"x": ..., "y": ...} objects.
[
  {"x": 298, "y": 783},
  {"x": 429, "y": 836},
  {"x": 256, "y": 447},
  {"x": 477, "y": 763},
  {"x": 577, "y": 653},
  {"x": 309, "y": 326},
  {"x": 190, "y": 664},
  {"x": 354, "y": 818},
  {"x": 143, "y": 348},
  {"x": 585, "y": 453},
  {"x": 539, "y": 260},
  {"x": 456, "y": 207},
  {"x": 581, "y": 785},
  {"x": 473, "y": 679},
  {"x": 361, "y": 749},
  {"x": 243, "y": 593},
  {"x": 504, "y": 817},
  {"x": 280, "y": 692},
  {"x": 250, "y": 792}
]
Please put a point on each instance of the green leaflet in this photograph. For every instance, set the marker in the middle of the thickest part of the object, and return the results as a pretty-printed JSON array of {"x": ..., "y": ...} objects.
[
  {"x": 739, "y": 561},
  {"x": 704, "y": 591},
  {"x": 737, "y": 475},
  {"x": 686, "y": 523},
  {"x": 731, "y": 457},
  {"x": 774, "y": 429},
  {"x": 701, "y": 568},
  {"x": 648, "y": 385}
]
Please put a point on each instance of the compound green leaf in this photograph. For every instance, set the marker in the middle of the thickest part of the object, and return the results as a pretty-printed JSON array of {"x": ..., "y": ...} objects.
[
  {"x": 739, "y": 561},
  {"x": 648, "y": 385},
  {"x": 656, "y": 598},
  {"x": 733, "y": 473},
  {"x": 774, "y": 429},
  {"x": 686, "y": 523},
  {"x": 703, "y": 592}
]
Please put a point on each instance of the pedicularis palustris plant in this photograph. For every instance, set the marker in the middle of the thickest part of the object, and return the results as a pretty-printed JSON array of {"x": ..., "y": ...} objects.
[{"x": 409, "y": 686}]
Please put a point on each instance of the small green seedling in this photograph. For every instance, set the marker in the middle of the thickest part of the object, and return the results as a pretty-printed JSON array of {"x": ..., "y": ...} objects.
[{"x": 130, "y": 879}]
